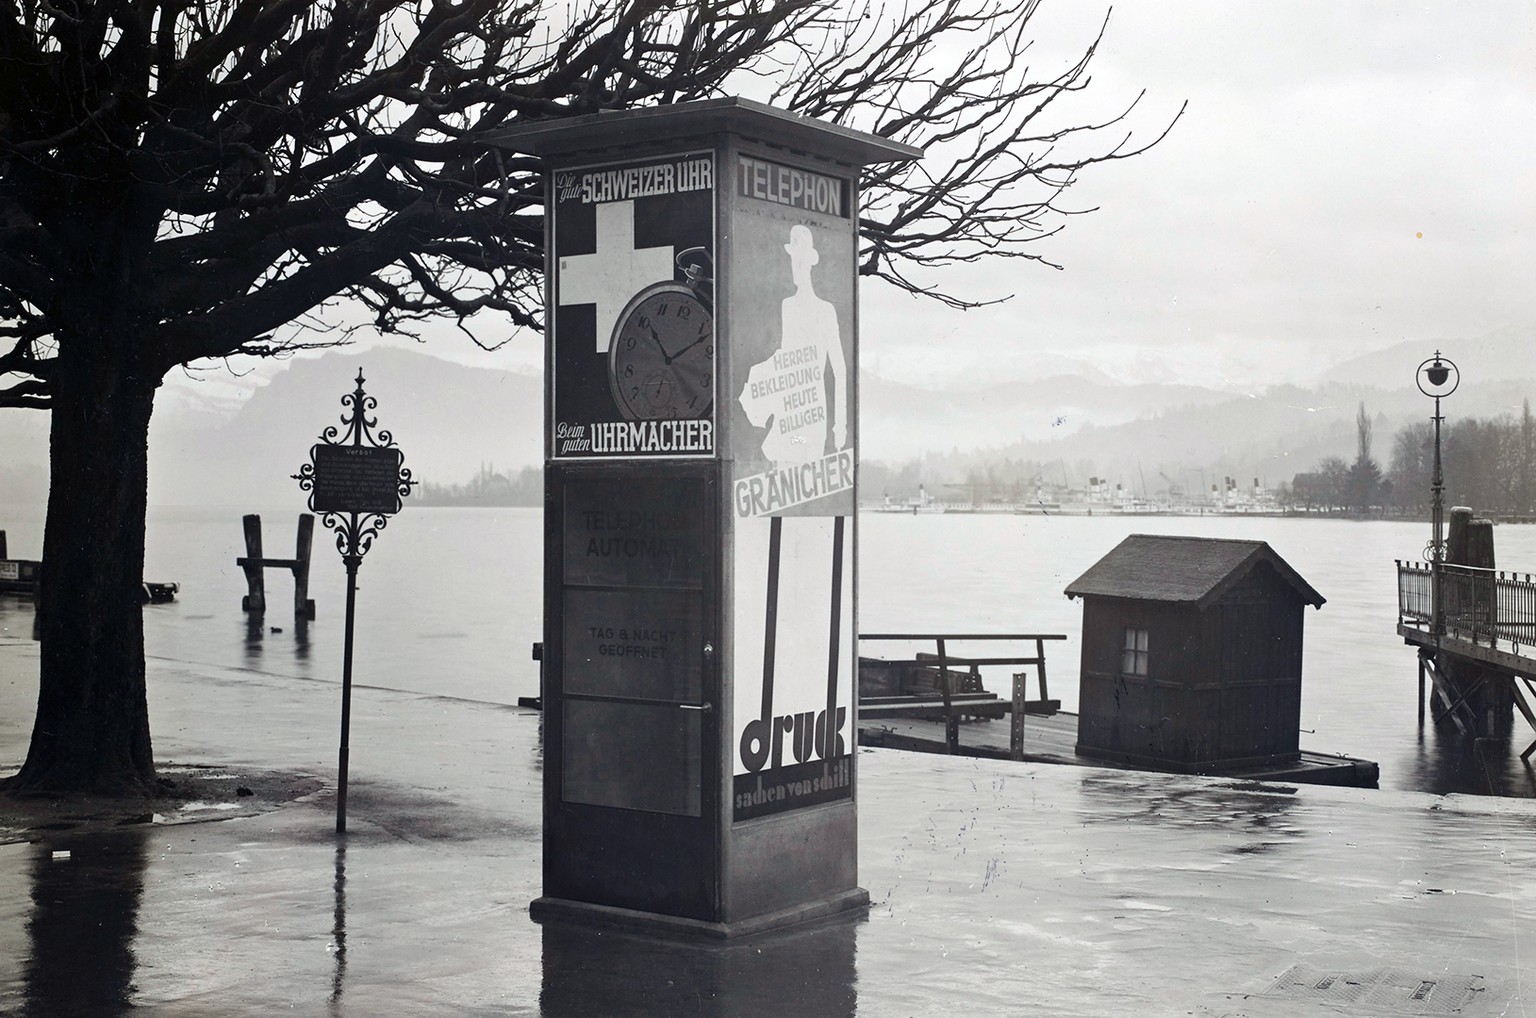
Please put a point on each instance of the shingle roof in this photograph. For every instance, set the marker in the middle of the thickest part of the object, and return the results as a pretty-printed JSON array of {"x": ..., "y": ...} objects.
[{"x": 1156, "y": 567}]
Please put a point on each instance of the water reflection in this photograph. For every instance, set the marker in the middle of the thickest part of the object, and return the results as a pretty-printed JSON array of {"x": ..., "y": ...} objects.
[
  {"x": 258, "y": 635},
  {"x": 255, "y": 632},
  {"x": 85, "y": 908},
  {"x": 18, "y": 616},
  {"x": 339, "y": 926},
  {"x": 1260, "y": 817},
  {"x": 301, "y": 641},
  {"x": 809, "y": 973},
  {"x": 1444, "y": 760}
]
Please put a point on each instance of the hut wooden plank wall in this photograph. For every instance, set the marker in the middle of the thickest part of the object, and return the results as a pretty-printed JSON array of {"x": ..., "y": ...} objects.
[{"x": 1191, "y": 654}]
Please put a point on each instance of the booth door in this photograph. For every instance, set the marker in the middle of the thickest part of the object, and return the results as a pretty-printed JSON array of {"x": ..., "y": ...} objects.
[{"x": 631, "y": 699}]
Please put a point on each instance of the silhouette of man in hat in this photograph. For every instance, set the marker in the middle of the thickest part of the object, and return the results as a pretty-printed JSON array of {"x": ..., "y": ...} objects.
[{"x": 788, "y": 392}]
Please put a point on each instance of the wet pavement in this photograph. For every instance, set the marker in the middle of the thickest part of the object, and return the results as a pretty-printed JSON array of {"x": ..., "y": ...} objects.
[{"x": 997, "y": 888}]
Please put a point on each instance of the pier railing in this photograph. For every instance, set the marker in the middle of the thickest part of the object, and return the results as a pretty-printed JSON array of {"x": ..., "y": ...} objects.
[
  {"x": 1477, "y": 605},
  {"x": 952, "y": 672}
]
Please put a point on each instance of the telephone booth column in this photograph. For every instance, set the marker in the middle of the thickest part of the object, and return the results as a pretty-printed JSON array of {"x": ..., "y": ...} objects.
[{"x": 700, "y": 652}]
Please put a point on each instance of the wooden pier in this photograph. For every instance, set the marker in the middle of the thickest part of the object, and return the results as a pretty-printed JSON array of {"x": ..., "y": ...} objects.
[{"x": 1476, "y": 643}]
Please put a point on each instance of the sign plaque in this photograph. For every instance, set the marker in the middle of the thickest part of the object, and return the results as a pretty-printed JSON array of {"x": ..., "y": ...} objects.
[{"x": 355, "y": 479}]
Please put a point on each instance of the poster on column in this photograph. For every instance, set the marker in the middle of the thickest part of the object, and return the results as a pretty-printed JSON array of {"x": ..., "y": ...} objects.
[
  {"x": 632, "y": 327},
  {"x": 793, "y": 450},
  {"x": 792, "y": 460}
]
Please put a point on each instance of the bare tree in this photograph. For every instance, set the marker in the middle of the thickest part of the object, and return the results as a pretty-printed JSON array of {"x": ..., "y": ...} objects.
[
  {"x": 1412, "y": 465},
  {"x": 1335, "y": 479},
  {"x": 1001, "y": 152},
  {"x": 1525, "y": 461},
  {"x": 182, "y": 181},
  {"x": 1364, "y": 483}
]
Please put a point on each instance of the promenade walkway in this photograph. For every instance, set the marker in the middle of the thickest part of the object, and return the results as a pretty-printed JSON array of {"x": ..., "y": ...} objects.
[{"x": 998, "y": 888}]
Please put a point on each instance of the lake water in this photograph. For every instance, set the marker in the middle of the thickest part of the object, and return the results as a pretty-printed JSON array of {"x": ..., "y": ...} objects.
[{"x": 449, "y": 603}]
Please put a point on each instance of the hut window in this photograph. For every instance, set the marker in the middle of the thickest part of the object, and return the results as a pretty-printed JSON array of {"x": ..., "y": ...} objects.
[{"x": 1133, "y": 657}]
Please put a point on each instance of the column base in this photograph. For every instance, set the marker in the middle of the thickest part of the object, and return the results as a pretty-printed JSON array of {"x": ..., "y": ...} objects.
[{"x": 547, "y": 909}]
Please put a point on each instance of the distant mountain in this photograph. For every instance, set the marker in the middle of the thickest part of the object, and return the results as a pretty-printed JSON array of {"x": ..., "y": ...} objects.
[
  {"x": 1271, "y": 436},
  {"x": 449, "y": 419},
  {"x": 214, "y": 442},
  {"x": 902, "y": 421},
  {"x": 1509, "y": 353}
]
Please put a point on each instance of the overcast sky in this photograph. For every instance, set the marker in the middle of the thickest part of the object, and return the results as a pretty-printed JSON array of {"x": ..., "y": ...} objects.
[{"x": 1348, "y": 175}]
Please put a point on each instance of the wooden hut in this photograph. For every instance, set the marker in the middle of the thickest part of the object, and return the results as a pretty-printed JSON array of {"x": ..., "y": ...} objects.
[{"x": 1191, "y": 654}]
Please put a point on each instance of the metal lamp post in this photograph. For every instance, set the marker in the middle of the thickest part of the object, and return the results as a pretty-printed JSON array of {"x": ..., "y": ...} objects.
[{"x": 1437, "y": 377}]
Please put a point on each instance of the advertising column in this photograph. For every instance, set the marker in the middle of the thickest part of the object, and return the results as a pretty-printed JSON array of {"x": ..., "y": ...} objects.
[{"x": 699, "y": 645}]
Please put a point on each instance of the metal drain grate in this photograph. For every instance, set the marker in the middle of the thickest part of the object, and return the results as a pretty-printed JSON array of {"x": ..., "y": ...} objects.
[{"x": 1382, "y": 991}]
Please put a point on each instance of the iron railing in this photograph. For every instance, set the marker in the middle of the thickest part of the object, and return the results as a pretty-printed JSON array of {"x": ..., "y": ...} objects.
[{"x": 1477, "y": 605}]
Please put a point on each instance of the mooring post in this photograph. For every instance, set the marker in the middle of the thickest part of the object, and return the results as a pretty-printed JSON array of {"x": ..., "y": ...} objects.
[
  {"x": 951, "y": 721},
  {"x": 255, "y": 565},
  {"x": 1016, "y": 730},
  {"x": 256, "y": 599},
  {"x": 1045, "y": 694},
  {"x": 303, "y": 607},
  {"x": 1421, "y": 689}
]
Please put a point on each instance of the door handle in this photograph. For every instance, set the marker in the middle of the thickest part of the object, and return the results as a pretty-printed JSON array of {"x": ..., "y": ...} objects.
[{"x": 705, "y": 707}]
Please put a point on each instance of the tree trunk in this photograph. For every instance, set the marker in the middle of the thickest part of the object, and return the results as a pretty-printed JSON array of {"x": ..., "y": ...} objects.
[{"x": 92, "y": 728}]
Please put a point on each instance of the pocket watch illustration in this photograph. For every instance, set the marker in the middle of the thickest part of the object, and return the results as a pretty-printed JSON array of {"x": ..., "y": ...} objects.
[{"x": 661, "y": 357}]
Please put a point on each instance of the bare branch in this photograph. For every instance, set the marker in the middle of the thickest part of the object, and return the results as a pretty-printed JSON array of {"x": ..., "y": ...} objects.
[
  {"x": 247, "y": 161},
  {"x": 28, "y": 394},
  {"x": 1001, "y": 152}
]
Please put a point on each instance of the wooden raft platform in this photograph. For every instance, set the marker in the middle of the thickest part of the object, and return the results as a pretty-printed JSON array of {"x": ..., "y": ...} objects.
[
  {"x": 1052, "y": 739},
  {"x": 937, "y": 703}
]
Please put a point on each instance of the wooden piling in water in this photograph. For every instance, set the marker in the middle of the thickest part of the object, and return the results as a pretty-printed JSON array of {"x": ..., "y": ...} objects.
[
  {"x": 255, "y": 599},
  {"x": 254, "y": 565},
  {"x": 303, "y": 607}
]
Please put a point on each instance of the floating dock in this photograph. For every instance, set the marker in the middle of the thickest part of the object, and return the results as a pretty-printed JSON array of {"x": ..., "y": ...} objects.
[
  {"x": 937, "y": 703},
  {"x": 1052, "y": 738}
]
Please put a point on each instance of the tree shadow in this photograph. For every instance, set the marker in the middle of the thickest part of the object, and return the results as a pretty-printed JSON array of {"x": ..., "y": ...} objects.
[
  {"x": 86, "y": 892},
  {"x": 339, "y": 927}
]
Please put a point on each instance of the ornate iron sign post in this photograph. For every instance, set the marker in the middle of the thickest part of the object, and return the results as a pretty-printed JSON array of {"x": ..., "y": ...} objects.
[{"x": 355, "y": 479}]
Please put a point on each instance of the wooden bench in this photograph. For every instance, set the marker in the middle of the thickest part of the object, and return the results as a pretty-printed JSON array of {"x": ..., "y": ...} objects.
[{"x": 949, "y": 687}]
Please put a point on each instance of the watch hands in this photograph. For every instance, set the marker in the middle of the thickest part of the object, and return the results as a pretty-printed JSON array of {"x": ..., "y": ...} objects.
[
  {"x": 657, "y": 339},
  {"x": 685, "y": 349}
]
